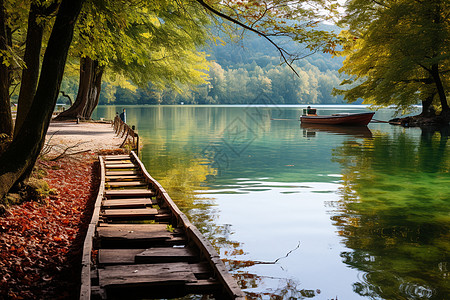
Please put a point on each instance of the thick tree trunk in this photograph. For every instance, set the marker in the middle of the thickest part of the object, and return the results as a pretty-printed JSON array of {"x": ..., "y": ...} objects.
[
  {"x": 19, "y": 158},
  {"x": 94, "y": 91},
  {"x": 427, "y": 108},
  {"x": 30, "y": 74},
  {"x": 440, "y": 88},
  {"x": 88, "y": 91},
  {"x": 6, "y": 126}
]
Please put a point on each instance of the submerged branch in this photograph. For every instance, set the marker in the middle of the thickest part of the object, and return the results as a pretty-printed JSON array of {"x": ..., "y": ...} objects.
[
  {"x": 236, "y": 264},
  {"x": 278, "y": 259}
]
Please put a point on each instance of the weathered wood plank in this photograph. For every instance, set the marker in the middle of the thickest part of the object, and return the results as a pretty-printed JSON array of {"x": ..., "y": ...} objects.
[
  {"x": 145, "y": 256},
  {"x": 116, "y": 157},
  {"x": 120, "y": 166},
  {"x": 118, "y": 162},
  {"x": 203, "y": 286},
  {"x": 115, "y": 184},
  {"x": 166, "y": 254},
  {"x": 129, "y": 193},
  {"x": 146, "y": 275},
  {"x": 128, "y": 203},
  {"x": 123, "y": 177},
  {"x": 142, "y": 232},
  {"x": 117, "y": 256},
  {"x": 135, "y": 227},
  {"x": 201, "y": 270},
  {"x": 130, "y": 213},
  {"x": 122, "y": 173}
]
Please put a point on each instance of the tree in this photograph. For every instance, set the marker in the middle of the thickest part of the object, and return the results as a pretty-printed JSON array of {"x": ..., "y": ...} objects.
[
  {"x": 144, "y": 42},
  {"x": 40, "y": 13},
  {"x": 6, "y": 126},
  {"x": 398, "y": 53},
  {"x": 18, "y": 159}
]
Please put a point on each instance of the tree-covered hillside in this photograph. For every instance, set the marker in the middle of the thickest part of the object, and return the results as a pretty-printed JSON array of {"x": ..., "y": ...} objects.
[{"x": 240, "y": 72}]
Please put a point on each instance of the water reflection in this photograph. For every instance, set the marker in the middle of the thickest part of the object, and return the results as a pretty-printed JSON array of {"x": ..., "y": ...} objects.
[
  {"x": 256, "y": 185},
  {"x": 310, "y": 130},
  {"x": 394, "y": 214}
]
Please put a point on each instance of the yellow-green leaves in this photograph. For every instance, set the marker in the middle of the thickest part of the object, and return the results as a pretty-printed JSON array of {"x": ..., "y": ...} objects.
[{"x": 396, "y": 51}]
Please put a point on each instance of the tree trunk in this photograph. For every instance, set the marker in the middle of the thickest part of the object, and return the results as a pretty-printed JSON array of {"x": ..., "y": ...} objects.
[
  {"x": 19, "y": 158},
  {"x": 88, "y": 91},
  {"x": 94, "y": 91},
  {"x": 30, "y": 74},
  {"x": 427, "y": 108},
  {"x": 440, "y": 88},
  {"x": 6, "y": 126}
]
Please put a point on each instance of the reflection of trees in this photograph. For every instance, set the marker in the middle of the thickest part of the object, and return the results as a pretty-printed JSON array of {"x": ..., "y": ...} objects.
[
  {"x": 290, "y": 289},
  {"x": 182, "y": 176},
  {"x": 394, "y": 214}
]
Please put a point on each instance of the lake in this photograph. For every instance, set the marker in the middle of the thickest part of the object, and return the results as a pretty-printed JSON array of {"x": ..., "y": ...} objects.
[{"x": 297, "y": 213}]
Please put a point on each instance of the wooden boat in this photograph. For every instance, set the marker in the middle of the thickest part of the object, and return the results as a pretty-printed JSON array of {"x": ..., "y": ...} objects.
[
  {"x": 139, "y": 245},
  {"x": 352, "y": 119}
]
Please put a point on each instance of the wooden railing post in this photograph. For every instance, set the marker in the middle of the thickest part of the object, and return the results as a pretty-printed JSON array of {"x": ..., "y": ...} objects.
[{"x": 121, "y": 128}]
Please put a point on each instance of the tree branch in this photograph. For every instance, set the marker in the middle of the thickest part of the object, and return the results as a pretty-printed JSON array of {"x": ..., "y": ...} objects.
[
  {"x": 226, "y": 17},
  {"x": 66, "y": 95}
]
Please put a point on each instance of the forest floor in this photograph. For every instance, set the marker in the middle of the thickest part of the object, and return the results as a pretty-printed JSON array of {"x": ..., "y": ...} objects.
[{"x": 41, "y": 241}]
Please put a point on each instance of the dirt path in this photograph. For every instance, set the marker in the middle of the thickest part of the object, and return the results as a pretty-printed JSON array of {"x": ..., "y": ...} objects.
[{"x": 83, "y": 136}]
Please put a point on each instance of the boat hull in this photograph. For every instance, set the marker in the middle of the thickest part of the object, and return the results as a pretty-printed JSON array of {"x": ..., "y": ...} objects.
[{"x": 358, "y": 119}]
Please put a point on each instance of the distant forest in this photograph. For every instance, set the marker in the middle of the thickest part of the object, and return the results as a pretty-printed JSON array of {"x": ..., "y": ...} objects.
[{"x": 243, "y": 72}]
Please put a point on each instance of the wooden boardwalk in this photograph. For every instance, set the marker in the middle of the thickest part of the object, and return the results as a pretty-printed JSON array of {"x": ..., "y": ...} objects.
[{"x": 140, "y": 245}]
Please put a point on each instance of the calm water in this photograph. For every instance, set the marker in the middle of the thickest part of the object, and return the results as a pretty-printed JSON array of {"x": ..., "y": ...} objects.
[{"x": 302, "y": 213}]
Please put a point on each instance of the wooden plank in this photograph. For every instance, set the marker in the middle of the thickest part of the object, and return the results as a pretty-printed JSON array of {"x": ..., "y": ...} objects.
[
  {"x": 117, "y": 256},
  {"x": 126, "y": 183},
  {"x": 121, "y": 161},
  {"x": 85, "y": 284},
  {"x": 123, "y": 177},
  {"x": 129, "y": 193},
  {"x": 141, "y": 243},
  {"x": 137, "y": 232},
  {"x": 143, "y": 256},
  {"x": 137, "y": 240},
  {"x": 166, "y": 254},
  {"x": 116, "y": 157},
  {"x": 135, "y": 227},
  {"x": 130, "y": 213},
  {"x": 120, "y": 166},
  {"x": 121, "y": 173},
  {"x": 85, "y": 287},
  {"x": 204, "y": 286},
  {"x": 128, "y": 203},
  {"x": 201, "y": 270},
  {"x": 146, "y": 275}
]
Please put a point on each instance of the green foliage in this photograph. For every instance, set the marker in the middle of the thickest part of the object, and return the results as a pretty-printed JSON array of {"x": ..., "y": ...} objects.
[
  {"x": 143, "y": 42},
  {"x": 396, "y": 51}
]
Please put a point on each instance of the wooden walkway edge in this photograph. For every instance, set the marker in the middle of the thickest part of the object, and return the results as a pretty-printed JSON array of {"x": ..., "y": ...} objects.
[{"x": 140, "y": 245}]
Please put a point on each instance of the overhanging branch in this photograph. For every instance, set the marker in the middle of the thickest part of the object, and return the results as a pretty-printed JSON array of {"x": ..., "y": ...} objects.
[{"x": 226, "y": 17}]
